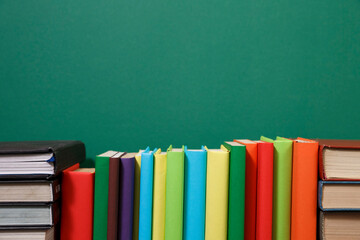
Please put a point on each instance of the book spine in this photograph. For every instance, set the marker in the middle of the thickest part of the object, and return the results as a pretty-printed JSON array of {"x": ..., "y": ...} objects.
[
  {"x": 77, "y": 205},
  {"x": 217, "y": 186},
  {"x": 136, "y": 197},
  {"x": 264, "y": 191},
  {"x": 236, "y": 192},
  {"x": 101, "y": 198},
  {"x": 127, "y": 171},
  {"x": 146, "y": 196},
  {"x": 194, "y": 201},
  {"x": 174, "y": 195},
  {"x": 158, "y": 228},
  {"x": 113, "y": 198}
]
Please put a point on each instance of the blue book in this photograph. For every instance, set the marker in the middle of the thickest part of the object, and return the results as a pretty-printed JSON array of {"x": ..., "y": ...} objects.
[
  {"x": 194, "y": 194},
  {"x": 146, "y": 194},
  {"x": 339, "y": 195}
]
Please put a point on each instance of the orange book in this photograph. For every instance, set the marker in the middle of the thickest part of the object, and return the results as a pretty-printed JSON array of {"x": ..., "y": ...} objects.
[
  {"x": 250, "y": 188},
  {"x": 304, "y": 189},
  {"x": 77, "y": 204}
]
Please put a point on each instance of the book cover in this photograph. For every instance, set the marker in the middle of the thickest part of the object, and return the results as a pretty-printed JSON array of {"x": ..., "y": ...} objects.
[
  {"x": 113, "y": 198},
  {"x": 137, "y": 194},
  {"x": 77, "y": 204},
  {"x": 325, "y": 144},
  {"x": 158, "y": 227},
  {"x": 195, "y": 194},
  {"x": 146, "y": 194},
  {"x": 250, "y": 188},
  {"x": 101, "y": 195},
  {"x": 304, "y": 189},
  {"x": 282, "y": 187},
  {"x": 264, "y": 195},
  {"x": 237, "y": 166},
  {"x": 126, "y": 201},
  {"x": 217, "y": 192},
  {"x": 174, "y": 194}
]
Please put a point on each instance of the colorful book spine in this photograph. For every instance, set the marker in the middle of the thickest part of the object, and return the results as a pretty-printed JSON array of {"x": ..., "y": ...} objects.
[
  {"x": 217, "y": 191},
  {"x": 282, "y": 187},
  {"x": 236, "y": 190},
  {"x": 146, "y": 194},
  {"x": 158, "y": 227},
  {"x": 137, "y": 195},
  {"x": 264, "y": 194},
  {"x": 250, "y": 188},
  {"x": 101, "y": 195},
  {"x": 77, "y": 204},
  {"x": 304, "y": 189},
  {"x": 127, "y": 171},
  {"x": 174, "y": 194},
  {"x": 195, "y": 193}
]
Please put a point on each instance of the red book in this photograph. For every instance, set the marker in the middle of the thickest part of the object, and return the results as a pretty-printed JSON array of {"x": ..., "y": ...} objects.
[
  {"x": 264, "y": 194},
  {"x": 77, "y": 204},
  {"x": 250, "y": 187}
]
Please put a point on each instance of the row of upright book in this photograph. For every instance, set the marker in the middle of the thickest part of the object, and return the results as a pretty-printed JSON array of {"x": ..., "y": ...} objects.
[{"x": 253, "y": 190}]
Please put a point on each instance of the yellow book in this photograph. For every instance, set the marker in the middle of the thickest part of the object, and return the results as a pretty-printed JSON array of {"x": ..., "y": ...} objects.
[
  {"x": 136, "y": 196},
  {"x": 158, "y": 228},
  {"x": 217, "y": 191}
]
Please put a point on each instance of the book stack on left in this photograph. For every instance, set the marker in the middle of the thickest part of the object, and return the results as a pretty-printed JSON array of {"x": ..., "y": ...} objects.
[{"x": 30, "y": 186}]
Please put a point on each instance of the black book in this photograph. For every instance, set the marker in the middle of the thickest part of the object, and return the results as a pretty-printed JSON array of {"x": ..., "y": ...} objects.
[{"x": 38, "y": 159}]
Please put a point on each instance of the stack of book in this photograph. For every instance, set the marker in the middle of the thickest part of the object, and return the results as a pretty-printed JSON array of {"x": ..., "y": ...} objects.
[
  {"x": 339, "y": 189},
  {"x": 30, "y": 186}
]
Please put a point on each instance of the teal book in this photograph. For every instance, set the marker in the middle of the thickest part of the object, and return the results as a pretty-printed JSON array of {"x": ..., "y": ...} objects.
[
  {"x": 281, "y": 187},
  {"x": 195, "y": 194},
  {"x": 101, "y": 195},
  {"x": 237, "y": 168},
  {"x": 174, "y": 194}
]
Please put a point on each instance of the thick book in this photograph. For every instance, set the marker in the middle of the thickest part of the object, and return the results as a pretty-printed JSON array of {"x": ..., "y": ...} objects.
[
  {"x": 146, "y": 194},
  {"x": 264, "y": 195},
  {"x": 33, "y": 234},
  {"x": 158, "y": 224},
  {"x": 77, "y": 204},
  {"x": 29, "y": 190},
  {"x": 137, "y": 172},
  {"x": 282, "y": 187},
  {"x": 339, "y": 225},
  {"x": 195, "y": 194},
  {"x": 250, "y": 187},
  {"x": 174, "y": 194},
  {"x": 237, "y": 166},
  {"x": 217, "y": 191},
  {"x": 126, "y": 201},
  {"x": 339, "y": 195},
  {"x": 38, "y": 159},
  {"x": 101, "y": 195},
  {"x": 304, "y": 189},
  {"x": 339, "y": 159},
  {"x": 113, "y": 196},
  {"x": 29, "y": 216}
]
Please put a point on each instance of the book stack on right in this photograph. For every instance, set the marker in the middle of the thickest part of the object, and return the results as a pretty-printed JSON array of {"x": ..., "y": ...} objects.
[{"x": 339, "y": 189}]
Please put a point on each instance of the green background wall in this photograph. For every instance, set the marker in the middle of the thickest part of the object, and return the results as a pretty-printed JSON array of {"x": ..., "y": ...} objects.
[{"x": 125, "y": 74}]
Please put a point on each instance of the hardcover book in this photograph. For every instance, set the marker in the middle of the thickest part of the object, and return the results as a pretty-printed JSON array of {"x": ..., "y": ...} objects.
[
  {"x": 174, "y": 194},
  {"x": 282, "y": 187},
  {"x": 217, "y": 191},
  {"x": 237, "y": 166},
  {"x": 77, "y": 204},
  {"x": 339, "y": 225},
  {"x": 33, "y": 234},
  {"x": 195, "y": 194},
  {"x": 137, "y": 195}
]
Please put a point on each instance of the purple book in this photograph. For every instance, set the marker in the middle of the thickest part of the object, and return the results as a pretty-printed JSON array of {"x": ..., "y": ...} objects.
[{"x": 126, "y": 196}]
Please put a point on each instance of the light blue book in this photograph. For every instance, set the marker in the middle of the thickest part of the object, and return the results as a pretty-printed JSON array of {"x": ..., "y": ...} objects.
[
  {"x": 146, "y": 194},
  {"x": 194, "y": 194}
]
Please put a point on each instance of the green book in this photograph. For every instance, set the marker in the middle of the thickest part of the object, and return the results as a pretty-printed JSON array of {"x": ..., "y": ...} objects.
[
  {"x": 101, "y": 194},
  {"x": 282, "y": 187},
  {"x": 174, "y": 194},
  {"x": 236, "y": 190}
]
